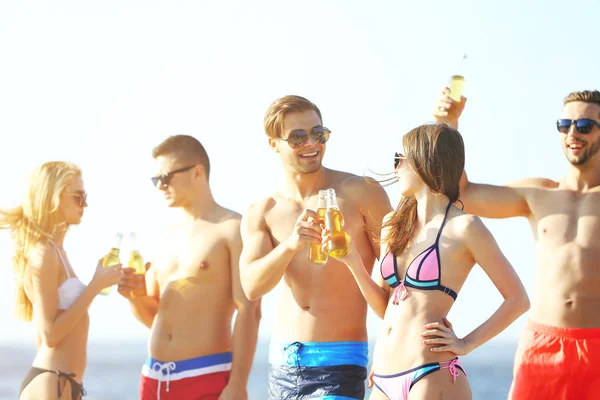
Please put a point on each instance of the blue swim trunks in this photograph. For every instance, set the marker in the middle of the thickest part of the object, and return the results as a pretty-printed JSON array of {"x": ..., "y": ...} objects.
[{"x": 317, "y": 370}]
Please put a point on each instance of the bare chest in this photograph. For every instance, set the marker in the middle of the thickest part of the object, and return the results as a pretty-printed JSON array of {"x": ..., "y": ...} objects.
[
  {"x": 199, "y": 258},
  {"x": 567, "y": 218}
]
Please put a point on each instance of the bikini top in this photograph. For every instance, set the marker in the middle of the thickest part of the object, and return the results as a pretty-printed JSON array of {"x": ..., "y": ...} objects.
[
  {"x": 424, "y": 272},
  {"x": 71, "y": 288}
]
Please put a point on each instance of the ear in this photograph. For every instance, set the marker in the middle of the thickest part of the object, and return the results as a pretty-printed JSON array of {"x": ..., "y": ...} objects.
[
  {"x": 200, "y": 171},
  {"x": 273, "y": 145}
]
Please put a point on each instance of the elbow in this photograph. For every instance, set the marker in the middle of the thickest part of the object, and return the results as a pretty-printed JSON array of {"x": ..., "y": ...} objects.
[
  {"x": 49, "y": 339},
  {"x": 250, "y": 290},
  {"x": 252, "y": 294},
  {"x": 524, "y": 303},
  {"x": 521, "y": 303}
]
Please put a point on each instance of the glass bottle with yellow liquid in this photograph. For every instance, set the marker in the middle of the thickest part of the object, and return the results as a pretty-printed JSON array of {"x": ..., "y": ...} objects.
[
  {"x": 112, "y": 258},
  {"x": 338, "y": 246},
  {"x": 315, "y": 251},
  {"x": 137, "y": 263},
  {"x": 457, "y": 82}
]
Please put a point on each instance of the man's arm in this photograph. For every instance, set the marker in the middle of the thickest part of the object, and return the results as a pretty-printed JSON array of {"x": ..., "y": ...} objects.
[
  {"x": 490, "y": 201},
  {"x": 487, "y": 201},
  {"x": 245, "y": 330},
  {"x": 261, "y": 265}
]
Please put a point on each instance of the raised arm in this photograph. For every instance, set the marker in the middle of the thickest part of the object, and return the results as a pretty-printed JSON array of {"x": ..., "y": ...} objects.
[
  {"x": 487, "y": 201},
  {"x": 245, "y": 330},
  {"x": 485, "y": 252},
  {"x": 55, "y": 326},
  {"x": 261, "y": 265}
]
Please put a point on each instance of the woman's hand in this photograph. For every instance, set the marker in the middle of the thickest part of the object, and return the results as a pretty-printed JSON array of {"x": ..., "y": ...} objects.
[
  {"x": 442, "y": 338},
  {"x": 350, "y": 257},
  {"x": 106, "y": 276}
]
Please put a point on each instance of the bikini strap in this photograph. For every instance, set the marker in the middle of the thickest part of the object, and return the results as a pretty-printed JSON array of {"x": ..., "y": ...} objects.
[
  {"x": 64, "y": 263},
  {"x": 443, "y": 223}
]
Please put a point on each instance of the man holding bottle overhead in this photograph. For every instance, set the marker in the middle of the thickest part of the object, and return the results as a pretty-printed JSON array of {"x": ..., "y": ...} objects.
[
  {"x": 193, "y": 289},
  {"x": 559, "y": 352},
  {"x": 319, "y": 343}
]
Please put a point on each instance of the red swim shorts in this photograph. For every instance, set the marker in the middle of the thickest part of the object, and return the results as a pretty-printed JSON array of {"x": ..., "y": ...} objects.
[{"x": 555, "y": 363}]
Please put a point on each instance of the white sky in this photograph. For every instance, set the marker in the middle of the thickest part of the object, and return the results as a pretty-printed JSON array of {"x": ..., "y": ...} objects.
[{"x": 100, "y": 84}]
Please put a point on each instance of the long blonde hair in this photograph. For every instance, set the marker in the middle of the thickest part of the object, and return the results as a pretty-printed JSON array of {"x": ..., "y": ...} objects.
[{"x": 36, "y": 220}]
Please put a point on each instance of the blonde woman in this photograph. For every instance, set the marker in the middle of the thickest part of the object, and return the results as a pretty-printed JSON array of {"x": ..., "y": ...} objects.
[{"x": 46, "y": 281}]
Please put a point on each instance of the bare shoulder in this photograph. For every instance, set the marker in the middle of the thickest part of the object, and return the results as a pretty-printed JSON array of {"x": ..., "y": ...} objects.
[
  {"x": 360, "y": 188},
  {"x": 534, "y": 183},
  {"x": 229, "y": 221},
  {"x": 467, "y": 225},
  {"x": 42, "y": 257},
  {"x": 255, "y": 214}
]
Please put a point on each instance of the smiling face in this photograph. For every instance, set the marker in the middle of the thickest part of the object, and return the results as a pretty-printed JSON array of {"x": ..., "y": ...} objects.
[
  {"x": 580, "y": 148},
  {"x": 307, "y": 157}
]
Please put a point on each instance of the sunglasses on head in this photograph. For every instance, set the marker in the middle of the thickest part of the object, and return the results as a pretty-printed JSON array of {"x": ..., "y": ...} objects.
[
  {"x": 165, "y": 179},
  {"x": 584, "y": 125},
  {"x": 81, "y": 197},
  {"x": 298, "y": 137},
  {"x": 398, "y": 158}
]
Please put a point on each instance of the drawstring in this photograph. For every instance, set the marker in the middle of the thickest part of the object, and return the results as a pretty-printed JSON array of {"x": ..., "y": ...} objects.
[
  {"x": 401, "y": 293},
  {"x": 68, "y": 377},
  {"x": 294, "y": 352},
  {"x": 163, "y": 369},
  {"x": 452, "y": 369}
]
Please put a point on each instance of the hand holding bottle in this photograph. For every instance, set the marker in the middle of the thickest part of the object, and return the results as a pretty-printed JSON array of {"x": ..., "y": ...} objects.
[
  {"x": 133, "y": 284},
  {"x": 105, "y": 277},
  {"x": 306, "y": 230}
]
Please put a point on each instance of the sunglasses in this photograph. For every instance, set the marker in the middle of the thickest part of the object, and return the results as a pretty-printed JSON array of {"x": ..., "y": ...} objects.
[
  {"x": 165, "y": 179},
  {"x": 298, "y": 137},
  {"x": 81, "y": 196},
  {"x": 398, "y": 160},
  {"x": 584, "y": 125}
]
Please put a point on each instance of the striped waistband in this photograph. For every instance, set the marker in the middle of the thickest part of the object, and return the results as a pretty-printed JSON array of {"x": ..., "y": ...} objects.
[
  {"x": 175, "y": 370},
  {"x": 318, "y": 354}
]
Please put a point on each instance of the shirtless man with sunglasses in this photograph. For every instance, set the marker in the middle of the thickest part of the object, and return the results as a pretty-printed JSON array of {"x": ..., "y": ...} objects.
[
  {"x": 193, "y": 289},
  {"x": 559, "y": 351},
  {"x": 319, "y": 343}
]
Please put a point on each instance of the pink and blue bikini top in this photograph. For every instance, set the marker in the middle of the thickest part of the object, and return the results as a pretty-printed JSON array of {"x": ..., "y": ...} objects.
[{"x": 424, "y": 271}]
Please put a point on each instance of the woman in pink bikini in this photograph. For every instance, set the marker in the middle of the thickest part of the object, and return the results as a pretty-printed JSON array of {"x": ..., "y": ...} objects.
[
  {"x": 430, "y": 247},
  {"x": 47, "y": 283}
]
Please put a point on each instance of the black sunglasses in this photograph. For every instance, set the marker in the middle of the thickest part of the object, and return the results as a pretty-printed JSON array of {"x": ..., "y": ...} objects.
[
  {"x": 298, "y": 137},
  {"x": 165, "y": 179},
  {"x": 584, "y": 125},
  {"x": 81, "y": 196},
  {"x": 398, "y": 159}
]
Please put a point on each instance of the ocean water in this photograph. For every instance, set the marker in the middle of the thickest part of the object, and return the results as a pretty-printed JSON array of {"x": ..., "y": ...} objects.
[{"x": 114, "y": 368}]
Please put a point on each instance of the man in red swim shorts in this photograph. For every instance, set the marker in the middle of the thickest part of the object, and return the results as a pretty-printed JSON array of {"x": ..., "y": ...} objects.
[
  {"x": 559, "y": 352},
  {"x": 193, "y": 289}
]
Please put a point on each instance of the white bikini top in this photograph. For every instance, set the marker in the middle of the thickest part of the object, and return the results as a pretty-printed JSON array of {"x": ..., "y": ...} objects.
[{"x": 71, "y": 288}]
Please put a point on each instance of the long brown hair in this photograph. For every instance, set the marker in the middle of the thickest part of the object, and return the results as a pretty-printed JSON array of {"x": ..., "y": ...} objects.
[
  {"x": 437, "y": 154},
  {"x": 36, "y": 220}
]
